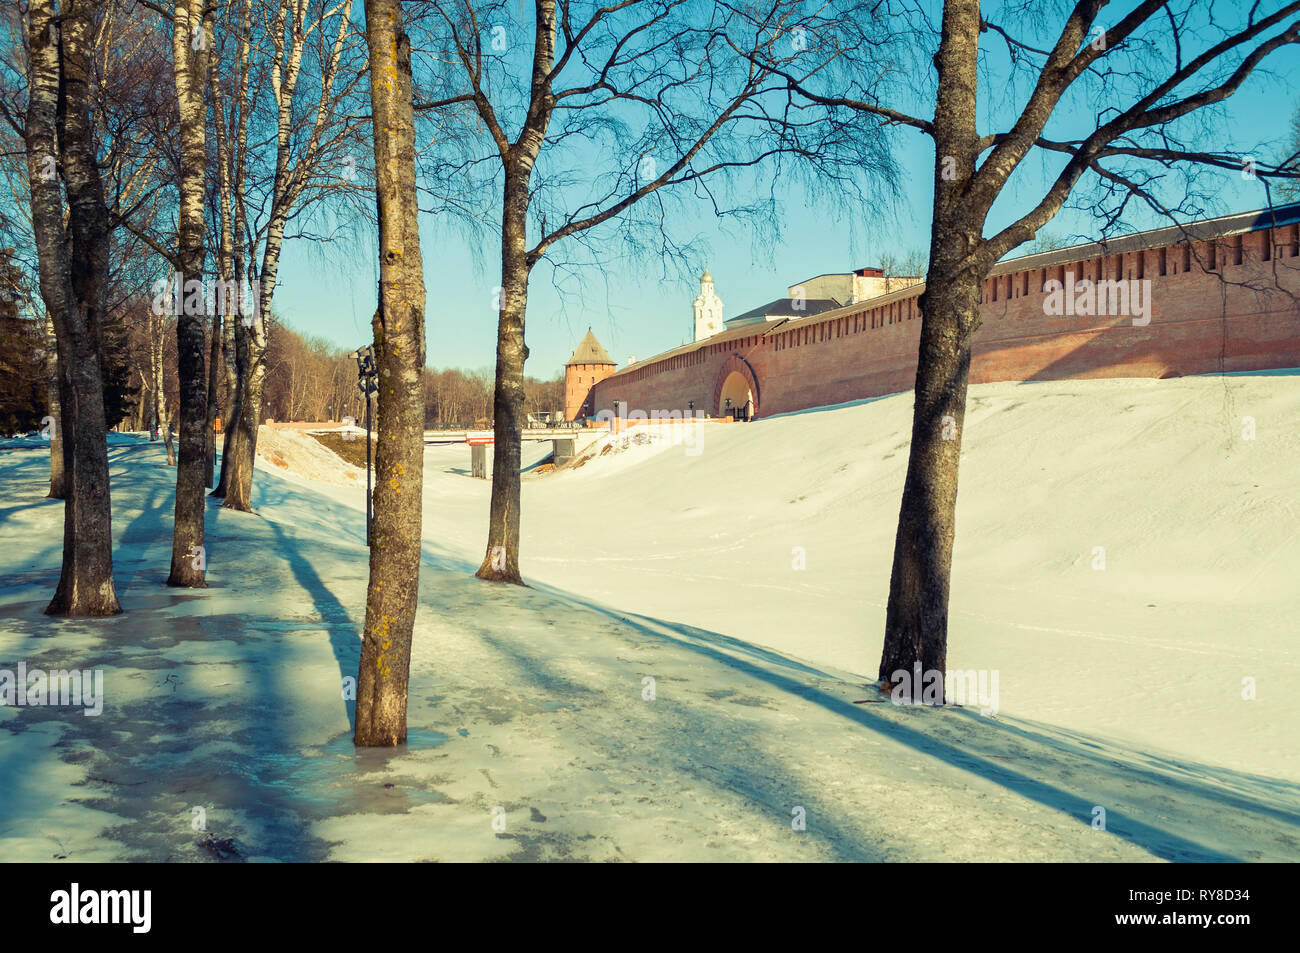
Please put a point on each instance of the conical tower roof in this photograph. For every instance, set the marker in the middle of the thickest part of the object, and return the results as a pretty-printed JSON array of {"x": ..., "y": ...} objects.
[{"x": 589, "y": 351}]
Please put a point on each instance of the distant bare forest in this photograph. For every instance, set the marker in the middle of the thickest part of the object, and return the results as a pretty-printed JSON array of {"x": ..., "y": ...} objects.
[{"x": 307, "y": 378}]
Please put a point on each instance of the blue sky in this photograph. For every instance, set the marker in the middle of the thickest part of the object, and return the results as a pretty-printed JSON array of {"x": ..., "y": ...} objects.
[{"x": 633, "y": 310}]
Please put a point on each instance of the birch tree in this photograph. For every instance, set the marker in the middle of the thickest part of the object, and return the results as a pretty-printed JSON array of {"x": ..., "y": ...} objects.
[
  {"x": 231, "y": 104},
  {"x": 58, "y": 485},
  {"x": 396, "y": 540},
  {"x": 190, "y": 45},
  {"x": 1123, "y": 83},
  {"x": 602, "y": 107},
  {"x": 129, "y": 72},
  {"x": 73, "y": 262},
  {"x": 221, "y": 390},
  {"x": 315, "y": 158},
  {"x": 155, "y": 384}
]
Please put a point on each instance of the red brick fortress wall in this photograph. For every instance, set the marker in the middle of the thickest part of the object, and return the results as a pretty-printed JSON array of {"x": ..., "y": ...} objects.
[{"x": 1227, "y": 304}]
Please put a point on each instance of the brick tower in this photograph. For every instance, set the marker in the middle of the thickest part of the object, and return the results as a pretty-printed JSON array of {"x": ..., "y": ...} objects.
[{"x": 590, "y": 363}]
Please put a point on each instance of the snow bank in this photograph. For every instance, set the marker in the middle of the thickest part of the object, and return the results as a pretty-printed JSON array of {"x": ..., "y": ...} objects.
[
  {"x": 299, "y": 454},
  {"x": 1182, "y": 494},
  {"x": 673, "y": 687}
]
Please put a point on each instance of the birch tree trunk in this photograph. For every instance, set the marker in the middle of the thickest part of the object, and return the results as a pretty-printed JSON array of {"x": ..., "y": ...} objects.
[
  {"x": 58, "y": 486},
  {"x": 190, "y": 44},
  {"x": 236, "y": 353},
  {"x": 251, "y": 336},
  {"x": 229, "y": 396},
  {"x": 392, "y": 593},
  {"x": 501, "y": 561},
  {"x": 58, "y": 489},
  {"x": 251, "y": 364},
  {"x": 210, "y": 419},
  {"x": 73, "y": 265},
  {"x": 916, "y": 620},
  {"x": 284, "y": 82},
  {"x": 961, "y": 257},
  {"x": 298, "y": 163},
  {"x": 221, "y": 389},
  {"x": 232, "y": 153},
  {"x": 161, "y": 420}
]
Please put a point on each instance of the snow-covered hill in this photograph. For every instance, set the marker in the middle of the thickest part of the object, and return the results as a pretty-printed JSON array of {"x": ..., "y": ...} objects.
[
  {"x": 672, "y": 687},
  {"x": 1196, "y": 525}
]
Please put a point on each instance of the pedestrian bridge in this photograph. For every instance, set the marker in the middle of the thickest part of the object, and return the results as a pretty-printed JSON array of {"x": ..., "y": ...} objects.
[
  {"x": 567, "y": 441},
  {"x": 564, "y": 442},
  {"x": 475, "y": 436}
]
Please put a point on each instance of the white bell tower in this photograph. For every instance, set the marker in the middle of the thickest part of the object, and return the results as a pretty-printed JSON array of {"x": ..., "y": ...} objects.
[{"x": 708, "y": 309}]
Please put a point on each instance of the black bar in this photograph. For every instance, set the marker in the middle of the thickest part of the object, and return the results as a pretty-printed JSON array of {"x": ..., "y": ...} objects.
[{"x": 973, "y": 904}]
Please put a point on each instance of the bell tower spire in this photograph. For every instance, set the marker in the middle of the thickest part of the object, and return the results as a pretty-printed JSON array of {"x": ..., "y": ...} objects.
[{"x": 708, "y": 309}]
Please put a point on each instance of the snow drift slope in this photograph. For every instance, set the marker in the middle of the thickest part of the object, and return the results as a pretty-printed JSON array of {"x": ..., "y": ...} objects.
[
  {"x": 292, "y": 452},
  {"x": 1125, "y": 557}
]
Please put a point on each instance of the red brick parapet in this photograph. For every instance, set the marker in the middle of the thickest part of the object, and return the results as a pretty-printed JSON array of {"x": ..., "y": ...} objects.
[{"x": 1223, "y": 304}]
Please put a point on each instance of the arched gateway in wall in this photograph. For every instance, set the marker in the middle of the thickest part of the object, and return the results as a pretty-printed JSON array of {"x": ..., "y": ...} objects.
[{"x": 736, "y": 382}]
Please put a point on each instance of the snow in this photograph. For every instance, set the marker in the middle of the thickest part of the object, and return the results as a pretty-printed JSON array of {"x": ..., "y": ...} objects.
[
  {"x": 298, "y": 453},
  {"x": 1119, "y": 688}
]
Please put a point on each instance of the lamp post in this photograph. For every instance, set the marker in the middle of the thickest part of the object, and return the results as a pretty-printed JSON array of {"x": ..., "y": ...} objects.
[{"x": 367, "y": 384}]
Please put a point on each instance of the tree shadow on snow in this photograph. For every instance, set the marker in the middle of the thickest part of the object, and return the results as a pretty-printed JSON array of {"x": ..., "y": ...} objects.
[{"x": 1137, "y": 800}]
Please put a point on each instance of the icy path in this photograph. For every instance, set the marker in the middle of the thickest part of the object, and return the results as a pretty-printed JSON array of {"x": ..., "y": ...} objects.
[{"x": 530, "y": 701}]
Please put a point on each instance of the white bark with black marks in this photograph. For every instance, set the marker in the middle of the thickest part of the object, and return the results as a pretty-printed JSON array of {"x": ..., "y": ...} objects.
[{"x": 190, "y": 49}]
